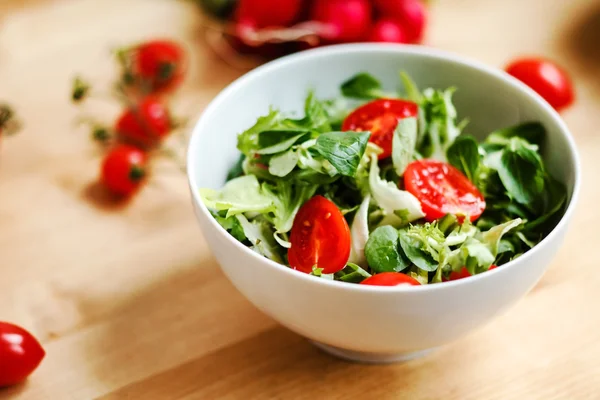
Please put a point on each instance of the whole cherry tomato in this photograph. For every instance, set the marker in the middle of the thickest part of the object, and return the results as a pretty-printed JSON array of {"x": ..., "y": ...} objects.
[
  {"x": 380, "y": 117},
  {"x": 145, "y": 124},
  {"x": 124, "y": 169},
  {"x": 20, "y": 354},
  {"x": 442, "y": 189},
  {"x": 545, "y": 77},
  {"x": 390, "y": 279},
  {"x": 320, "y": 237},
  {"x": 159, "y": 63},
  {"x": 463, "y": 273}
]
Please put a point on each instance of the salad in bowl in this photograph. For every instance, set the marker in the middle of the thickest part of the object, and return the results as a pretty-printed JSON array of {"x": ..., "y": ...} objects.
[{"x": 387, "y": 188}]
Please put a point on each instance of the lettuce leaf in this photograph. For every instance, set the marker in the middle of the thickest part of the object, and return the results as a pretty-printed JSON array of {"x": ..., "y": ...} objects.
[{"x": 238, "y": 196}]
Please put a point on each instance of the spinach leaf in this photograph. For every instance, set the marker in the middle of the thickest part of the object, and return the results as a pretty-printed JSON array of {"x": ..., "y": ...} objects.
[
  {"x": 362, "y": 86},
  {"x": 413, "y": 250},
  {"x": 464, "y": 155},
  {"x": 521, "y": 171},
  {"x": 237, "y": 169},
  {"x": 532, "y": 132},
  {"x": 382, "y": 251},
  {"x": 343, "y": 150},
  {"x": 403, "y": 144}
]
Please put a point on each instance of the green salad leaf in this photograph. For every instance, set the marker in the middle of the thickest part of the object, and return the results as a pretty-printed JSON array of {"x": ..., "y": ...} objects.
[
  {"x": 403, "y": 144},
  {"x": 521, "y": 171},
  {"x": 239, "y": 195},
  {"x": 343, "y": 150},
  {"x": 260, "y": 234},
  {"x": 464, "y": 155},
  {"x": 382, "y": 251},
  {"x": 362, "y": 86}
]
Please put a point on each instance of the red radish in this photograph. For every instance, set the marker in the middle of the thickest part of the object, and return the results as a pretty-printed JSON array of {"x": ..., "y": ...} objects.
[
  {"x": 387, "y": 30},
  {"x": 412, "y": 14},
  {"x": 345, "y": 20},
  {"x": 267, "y": 13}
]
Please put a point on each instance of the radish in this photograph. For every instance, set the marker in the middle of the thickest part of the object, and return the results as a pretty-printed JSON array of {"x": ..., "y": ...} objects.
[
  {"x": 387, "y": 30},
  {"x": 344, "y": 20},
  {"x": 412, "y": 14},
  {"x": 268, "y": 13}
]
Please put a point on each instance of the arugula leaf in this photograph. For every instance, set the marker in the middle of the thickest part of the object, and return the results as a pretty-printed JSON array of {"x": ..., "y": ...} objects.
[
  {"x": 464, "y": 155},
  {"x": 412, "y": 248},
  {"x": 282, "y": 164},
  {"x": 236, "y": 170},
  {"x": 362, "y": 86},
  {"x": 522, "y": 171},
  {"x": 403, "y": 144},
  {"x": 260, "y": 234},
  {"x": 343, "y": 150},
  {"x": 238, "y": 196},
  {"x": 532, "y": 132},
  {"x": 248, "y": 140},
  {"x": 382, "y": 251}
]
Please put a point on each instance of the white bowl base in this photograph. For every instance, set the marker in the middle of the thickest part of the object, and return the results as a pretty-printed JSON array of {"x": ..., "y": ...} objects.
[{"x": 370, "y": 358}]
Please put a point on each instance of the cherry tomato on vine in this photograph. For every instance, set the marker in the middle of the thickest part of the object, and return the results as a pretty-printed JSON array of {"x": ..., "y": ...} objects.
[
  {"x": 160, "y": 63},
  {"x": 320, "y": 237},
  {"x": 124, "y": 169},
  {"x": 390, "y": 279},
  {"x": 20, "y": 354},
  {"x": 442, "y": 189},
  {"x": 380, "y": 117},
  {"x": 545, "y": 77},
  {"x": 144, "y": 124},
  {"x": 463, "y": 273}
]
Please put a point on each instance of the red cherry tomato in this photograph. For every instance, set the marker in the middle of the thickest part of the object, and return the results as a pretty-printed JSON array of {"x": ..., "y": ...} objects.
[
  {"x": 387, "y": 30},
  {"x": 146, "y": 124},
  {"x": 380, "y": 117},
  {"x": 411, "y": 14},
  {"x": 463, "y": 273},
  {"x": 545, "y": 77},
  {"x": 160, "y": 63},
  {"x": 442, "y": 189},
  {"x": 20, "y": 354},
  {"x": 390, "y": 279},
  {"x": 320, "y": 237},
  {"x": 124, "y": 169}
]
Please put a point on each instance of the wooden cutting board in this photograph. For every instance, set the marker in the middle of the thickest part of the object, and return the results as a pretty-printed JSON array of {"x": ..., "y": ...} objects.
[{"x": 128, "y": 300}]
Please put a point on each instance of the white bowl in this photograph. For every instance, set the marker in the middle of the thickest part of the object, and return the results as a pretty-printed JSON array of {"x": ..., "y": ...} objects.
[{"x": 360, "y": 322}]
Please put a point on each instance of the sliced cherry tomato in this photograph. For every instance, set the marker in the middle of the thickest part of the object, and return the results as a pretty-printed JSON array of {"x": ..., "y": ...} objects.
[
  {"x": 160, "y": 63},
  {"x": 390, "y": 279},
  {"x": 380, "y": 117},
  {"x": 545, "y": 77},
  {"x": 320, "y": 237},
  {"x": 145, "y": 124},
  {"x": 463, "y": 273},
  {"x": 20, "y": 354},
  {"x": 124, "y": 169},
  {"x": 442, "y": 189}
]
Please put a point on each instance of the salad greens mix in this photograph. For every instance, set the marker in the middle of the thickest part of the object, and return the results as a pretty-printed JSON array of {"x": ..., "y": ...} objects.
[{"x": 377, "y": 183}]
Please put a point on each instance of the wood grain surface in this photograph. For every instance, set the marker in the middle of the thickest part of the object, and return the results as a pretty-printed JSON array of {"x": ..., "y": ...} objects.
[{"x": 128, "y": 300}]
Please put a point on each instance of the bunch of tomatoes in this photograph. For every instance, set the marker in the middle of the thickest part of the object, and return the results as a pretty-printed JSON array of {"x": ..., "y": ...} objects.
[
  {"x": 150, "y": 73},
  {"x": 271, "y": 25}
]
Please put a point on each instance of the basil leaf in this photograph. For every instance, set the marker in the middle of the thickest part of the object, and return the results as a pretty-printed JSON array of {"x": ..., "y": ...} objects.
[
  {"x": 521, "y": 171},
  {"x": 362, "y": 86},
  {"x": 412, "y": 249},
  {"x": 382, "y": 253},
  {"x": 464, "y": 155},
  {"x": 343, "y": 150},
  {"x": 237, "y": 169},
  {"x": 403, "y": 144},
  {"x": 533, "y": 132},
  {"x": 276, "y": 141},
  {"x": 284, "y": 163}
]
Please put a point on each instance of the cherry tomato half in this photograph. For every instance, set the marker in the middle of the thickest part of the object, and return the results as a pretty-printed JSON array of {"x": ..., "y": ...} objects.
[
  {"x": 390, "y": 279},
  {"x": 463, "y": 273},
  {"x": 161, "y": 63},
  {"x": 546, "y": 78},
  {"x": 124, "y": 169},
  {"x": 145, "y": 124},
  {"x": 320, "y": 237},
  {"x": 380, "y": 117},
  {"x": 442, "y": 189},
  {"x": 20, "y": 354}
]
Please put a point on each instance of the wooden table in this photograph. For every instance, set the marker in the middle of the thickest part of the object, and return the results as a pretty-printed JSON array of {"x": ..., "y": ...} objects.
[{"x": 129, "y": 302}]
